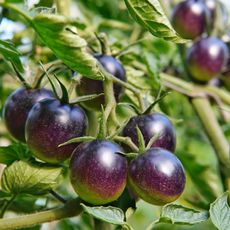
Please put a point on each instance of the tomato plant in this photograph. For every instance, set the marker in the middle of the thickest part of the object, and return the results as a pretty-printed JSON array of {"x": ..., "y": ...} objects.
[{"x": 114, "y": 114}]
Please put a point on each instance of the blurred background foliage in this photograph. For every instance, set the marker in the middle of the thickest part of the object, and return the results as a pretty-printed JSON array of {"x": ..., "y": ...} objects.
[{"x": 143, "y": 62}]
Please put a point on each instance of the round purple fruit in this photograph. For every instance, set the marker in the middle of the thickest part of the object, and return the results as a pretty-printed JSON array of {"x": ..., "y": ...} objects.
[
  {"x": 98, "y": 172},
  {"x": 51, "y": 123},
  {"x": 157, "y": 176},
  {"x": 207, "y": 58},
  {"x": 189, "y": 18},
  {"x": 151, "y": 125},
  {"x": 17, "y": 108},
  {"x": 89, "y": 86}
]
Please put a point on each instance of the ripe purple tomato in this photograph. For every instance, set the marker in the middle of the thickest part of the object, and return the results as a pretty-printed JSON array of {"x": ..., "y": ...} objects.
[
  {"x": 151, "y": 125},
  {"x": 206, "y": 58},
  {"x": 17, "y": 108},
  {"x": 189, "y": 18},
  {"x": 51, "y": 123},
  {"x": 157, "y": 176},
  {"x": 98, "y": 172},
  {"x": 89, "y": 86}
]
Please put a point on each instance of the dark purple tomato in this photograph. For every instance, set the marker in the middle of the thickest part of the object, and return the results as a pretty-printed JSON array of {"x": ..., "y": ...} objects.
[
  {"x": 207, "y": 58},
  {"x": 17, "y": 108},
  {"x": 189, "y": 18},
  {"x": 98, "y": 172},
  {"x": 89, "y": 86},
  {"x": 51, "y": 123},
  {"x": 157, "y": 176},
  {"x": 151, "y": 125}
]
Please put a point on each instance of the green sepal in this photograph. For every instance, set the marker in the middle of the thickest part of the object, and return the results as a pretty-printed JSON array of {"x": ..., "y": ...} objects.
[
  {"x": 141, "y": 140},
  {"x": 85, "y": 98},
  {"x": 77, "y": 140}
]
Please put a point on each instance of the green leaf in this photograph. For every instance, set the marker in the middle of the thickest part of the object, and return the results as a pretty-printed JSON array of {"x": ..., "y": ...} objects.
[
  {"x": 108, "y": 214},
  {"x": 28, "y": 178},
  {"x": 62, "y": 38},
  {"x": 14, "y": 152},
  {"x": 4, "y": 195},
  {"x": 152, "y": 67},
  {"x": 10, "y": 53},
  {"x": 151, "y": 16},
  {"x": 77, "y": 140},
  {"x": 220, "y": 212},
  {"x": 177, "y": 214},
  {"x": 199, "y": 171}
]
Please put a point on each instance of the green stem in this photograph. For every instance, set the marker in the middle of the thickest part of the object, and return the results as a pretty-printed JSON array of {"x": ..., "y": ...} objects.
[
  {"x": 126, "y": 85},
  {"x": 109, "y": 97},
  {"x": 72, "y": 208},
  {"x": 127, "y": 141},
  {"x": 222, "y": 94},
  {"x": 7, "y": 205},
  {"x": 183, "y": 87},
  {"x": 213, "y": 130},
  {"x": 58, "y": 197},
  {"x": 93, "y": 122},
  {"x": 110, "y": 103},
  {"x": 63, "y": 7},
  {"x": 102, "y": 38}
]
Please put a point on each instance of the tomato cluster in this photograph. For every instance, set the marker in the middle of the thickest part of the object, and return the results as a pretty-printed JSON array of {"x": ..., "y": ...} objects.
[
  {"x": 99, "y": 170},
  {"x": 208, "y": 55}
]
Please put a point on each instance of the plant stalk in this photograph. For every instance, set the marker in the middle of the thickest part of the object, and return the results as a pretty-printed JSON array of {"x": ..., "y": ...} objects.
[
  {"x": 213, "y": 130},
  {"x": 58, "y": 197},
  {"x": 188, "y": 87},
  {"x": 7, "y": 205},
  {"x": 70, "y": 209},
  {"x": 127, "y": 141}
]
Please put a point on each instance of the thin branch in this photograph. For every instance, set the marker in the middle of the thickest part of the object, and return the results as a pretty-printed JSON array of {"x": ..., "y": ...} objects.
[
  {"x": 58, "y": 197},
  {"x": 7, "y": 205},
  {"x": 70, "y": 209},
  {"x": 127, "y": 141}
]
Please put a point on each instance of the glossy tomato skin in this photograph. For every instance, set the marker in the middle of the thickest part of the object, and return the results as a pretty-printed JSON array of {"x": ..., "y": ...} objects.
[
  {"x": 51, "y": 123},
  {"x": 157, "y": 176},
  {"x": 17, "y": 107},
  {"x": 207, "y": 58},
  {"x": 189, "y": 18},
  {"x": 98, "y": 172},
  {"x": 151, "y": 125},
  {"x": 89, "y": 86}
]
